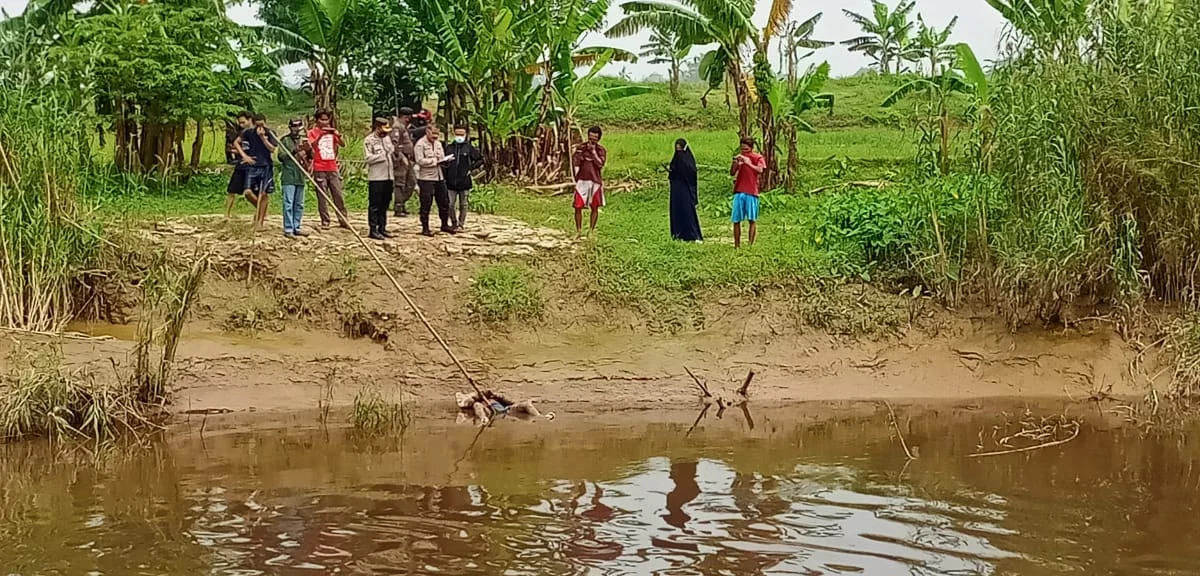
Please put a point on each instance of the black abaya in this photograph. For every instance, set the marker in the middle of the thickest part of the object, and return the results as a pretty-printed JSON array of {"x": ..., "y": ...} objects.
[{"x": 685, "y": 225}]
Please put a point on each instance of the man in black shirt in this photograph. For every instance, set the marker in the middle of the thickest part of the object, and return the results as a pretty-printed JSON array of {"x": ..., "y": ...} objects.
[
  {"x": 237, "y": 182},
  {"x": 257, "y": 146}
]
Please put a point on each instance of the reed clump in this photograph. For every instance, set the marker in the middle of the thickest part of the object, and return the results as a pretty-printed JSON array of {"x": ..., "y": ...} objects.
[
  {"x": 39, "y": 397},
  {"x": 374, "y": 412},
  {"x": 1099, "y": 148}
]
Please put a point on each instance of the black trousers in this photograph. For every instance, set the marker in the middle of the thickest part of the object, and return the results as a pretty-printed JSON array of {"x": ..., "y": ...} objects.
[
  {"x": 379, "y": 199},
  {"x": 431, "y": 191}
]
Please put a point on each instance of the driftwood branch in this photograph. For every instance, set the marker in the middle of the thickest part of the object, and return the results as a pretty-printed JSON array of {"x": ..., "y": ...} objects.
[
  {"x": 746, "y": 384},
  {"x": 1074, "y": 433},
  {"x": 703, "y": 389},
  {"x": 896, "y": 426},
  {"x": 558, "y": 186}
]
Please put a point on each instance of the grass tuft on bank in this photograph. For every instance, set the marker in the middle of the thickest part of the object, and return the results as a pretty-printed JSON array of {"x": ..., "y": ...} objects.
[{"x": 503, "y": 292}]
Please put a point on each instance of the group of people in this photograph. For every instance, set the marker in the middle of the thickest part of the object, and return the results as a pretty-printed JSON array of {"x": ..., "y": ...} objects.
[
  {"x": 406, "y": 154},
  {"x": 401, "y": 155},
  {"x": 747, "y": 167}
]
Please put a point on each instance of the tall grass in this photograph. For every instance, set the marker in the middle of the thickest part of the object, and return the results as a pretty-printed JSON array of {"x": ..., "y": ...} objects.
[
  {"x": 45, "y": 239},
  {"x": 1101, "y": 151}
]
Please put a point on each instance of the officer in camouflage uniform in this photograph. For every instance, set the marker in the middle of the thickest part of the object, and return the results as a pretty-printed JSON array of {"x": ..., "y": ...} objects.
[{"x": 404, "y": 161}]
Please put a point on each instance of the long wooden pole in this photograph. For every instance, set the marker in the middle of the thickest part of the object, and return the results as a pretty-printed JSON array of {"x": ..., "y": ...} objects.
[{"x": 396, "y": 283}]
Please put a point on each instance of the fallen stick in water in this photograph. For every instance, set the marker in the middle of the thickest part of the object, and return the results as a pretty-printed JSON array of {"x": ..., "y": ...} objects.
[
  {"x": 746, "y": 384},
  {"x": 1075, "y": 432},
  {"x": 899, "y": 435}
]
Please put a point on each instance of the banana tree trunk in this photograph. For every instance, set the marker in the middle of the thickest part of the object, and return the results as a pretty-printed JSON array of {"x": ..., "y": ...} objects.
[
  {"x": 675, "y": 79},
  {"x": 742, "y": 92},
  {"x": 769, "y": 178},
  {"x": 323, "y": 90},
  {"x": 792, "y": 161}
]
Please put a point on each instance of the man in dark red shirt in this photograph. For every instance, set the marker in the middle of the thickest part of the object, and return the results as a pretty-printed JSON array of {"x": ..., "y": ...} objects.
[
  {"x": 326, "y": 141},
  {"x": 747, "y": 167},
  {"x": 589, "y": 162}
]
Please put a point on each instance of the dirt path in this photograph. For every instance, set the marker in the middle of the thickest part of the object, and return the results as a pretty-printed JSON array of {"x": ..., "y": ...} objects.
[{"x": 278, "y": 320}]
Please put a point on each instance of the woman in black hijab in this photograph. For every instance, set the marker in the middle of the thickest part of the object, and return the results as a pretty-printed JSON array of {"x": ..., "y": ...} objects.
[{"x": 685, "y": 225}]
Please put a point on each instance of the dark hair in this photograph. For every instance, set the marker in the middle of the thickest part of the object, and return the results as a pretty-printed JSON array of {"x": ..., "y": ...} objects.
[
  {"x": 748, "y": 142},
  {"x": 596, "y": 130},
  {"x": 322, "y": 112},
  {"x": 245, "y": 114},
  {"x": 260, "y": 117},
  {"x": 462, "y": 127}
]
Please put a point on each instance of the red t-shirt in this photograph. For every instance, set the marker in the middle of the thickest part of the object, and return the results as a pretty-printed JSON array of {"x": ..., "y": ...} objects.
[
  {"x": 324, "y": 145},
  {"x": 747, "y": 179}
]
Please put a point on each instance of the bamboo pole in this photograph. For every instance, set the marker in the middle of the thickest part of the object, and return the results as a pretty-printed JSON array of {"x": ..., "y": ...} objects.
[{"x": 395, "y": 283}]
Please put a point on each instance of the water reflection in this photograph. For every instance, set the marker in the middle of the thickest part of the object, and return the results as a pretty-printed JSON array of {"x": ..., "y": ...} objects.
[{"x": 799, "y": 494}]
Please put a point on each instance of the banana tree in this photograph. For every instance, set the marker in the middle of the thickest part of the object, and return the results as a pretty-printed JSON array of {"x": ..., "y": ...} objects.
[
  {"x": 1054, "y": 26},
  {"x": 666, "y": 47},
  {"x": 792, "y": 104},
  {"x": 567, "y": 101},
  {"x": 725, "y": 23},
  {"x": 937, "y": 91},
  {"x": 981, "y": 105},
  {"x": 885, "y": 33},
  {"x": 568, "y": 21},
  {"x": 930, "y": 45},
  {"x": 320, "y": 41},
  {"x": 764, "y": 82},
  {"x": 795, "y": 37}
]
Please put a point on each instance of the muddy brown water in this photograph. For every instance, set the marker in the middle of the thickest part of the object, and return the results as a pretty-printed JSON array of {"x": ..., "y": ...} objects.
[{"x": 809, "y": 490}]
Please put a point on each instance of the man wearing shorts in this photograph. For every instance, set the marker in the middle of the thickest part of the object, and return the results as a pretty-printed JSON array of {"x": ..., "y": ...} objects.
[
  {"x": 589, "y": 162},
  {"x": 257, "y": 147},
  {"x": 747, "y": 167},
  {"x": 237, "y": 182}
]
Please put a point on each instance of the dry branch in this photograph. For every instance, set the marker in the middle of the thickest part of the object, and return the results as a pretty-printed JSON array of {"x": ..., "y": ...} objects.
[
  {"x": 1074, "y": 433},
  {"x": 703, "y": 389},
  {"x": 746, "y": 384},
  {"x": 899, "y": 435}
]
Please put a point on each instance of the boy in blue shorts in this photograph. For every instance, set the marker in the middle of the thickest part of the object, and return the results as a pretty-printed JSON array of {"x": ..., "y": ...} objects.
[
  {"x": 256, "y": 145},
  {"x": 746, "y": 169}
]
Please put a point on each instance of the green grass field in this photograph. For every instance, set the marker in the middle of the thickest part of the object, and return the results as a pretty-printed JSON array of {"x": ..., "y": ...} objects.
[{"x": 632, "y": 258}]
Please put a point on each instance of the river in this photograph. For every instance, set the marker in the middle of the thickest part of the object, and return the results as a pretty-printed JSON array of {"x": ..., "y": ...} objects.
[{"x": 809, "y": 489}]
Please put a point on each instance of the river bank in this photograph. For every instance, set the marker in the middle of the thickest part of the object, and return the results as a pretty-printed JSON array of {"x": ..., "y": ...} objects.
[{"x": 286, "y": 325}]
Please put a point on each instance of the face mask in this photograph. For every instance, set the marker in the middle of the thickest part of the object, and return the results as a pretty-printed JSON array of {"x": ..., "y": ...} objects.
[{"x": 460, "y": 139}]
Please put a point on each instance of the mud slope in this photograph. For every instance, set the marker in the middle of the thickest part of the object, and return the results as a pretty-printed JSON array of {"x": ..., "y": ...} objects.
[{"x": 281, "y": 319}]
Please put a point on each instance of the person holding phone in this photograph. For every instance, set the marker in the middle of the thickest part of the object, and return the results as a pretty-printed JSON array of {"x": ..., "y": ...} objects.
[
  {"x": 748, "y": 165},
  {"x": 326, "y": 141},
  {"x": 589, "y": 160}
]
